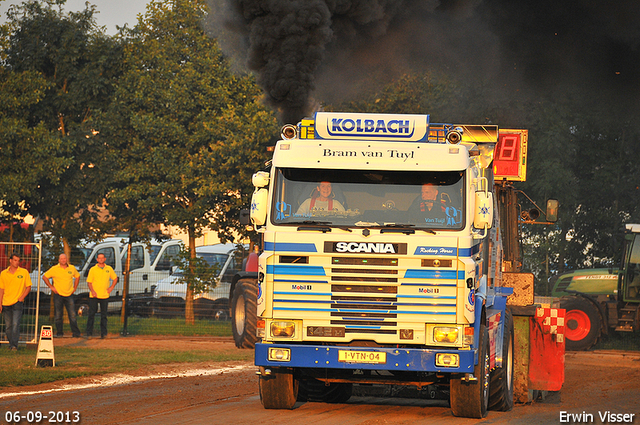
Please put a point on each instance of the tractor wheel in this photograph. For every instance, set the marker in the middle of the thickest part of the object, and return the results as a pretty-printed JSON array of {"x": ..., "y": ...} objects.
[
  {"x": 278, "y": 389},
  {"x": 501, "y": 394},
  {"x": 244, "y": 313},
  {"x": 583, "y": 323},
  {"x": 471, "y": 399}
]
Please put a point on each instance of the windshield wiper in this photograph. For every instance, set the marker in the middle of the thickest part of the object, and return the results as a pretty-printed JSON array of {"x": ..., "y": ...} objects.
[
  {"x": 321, "y": 226},
  {"x": 324, "y": 226},
  {"x": 407, "y": 229}
]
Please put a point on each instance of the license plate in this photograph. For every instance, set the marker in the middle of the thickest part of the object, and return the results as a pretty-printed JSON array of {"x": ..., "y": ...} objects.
[{"x": 375, "y": 357}]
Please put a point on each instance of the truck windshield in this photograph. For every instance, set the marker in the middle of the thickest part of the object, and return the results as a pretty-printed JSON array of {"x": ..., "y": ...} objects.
[{"x": 366, "y": 198}]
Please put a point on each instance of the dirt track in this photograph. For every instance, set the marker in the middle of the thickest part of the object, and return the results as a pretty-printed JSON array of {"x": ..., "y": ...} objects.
[{"x": 211, "y": 393}]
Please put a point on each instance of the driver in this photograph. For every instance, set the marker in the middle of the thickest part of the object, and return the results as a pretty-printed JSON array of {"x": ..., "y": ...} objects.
[
  {"x": 427, "y": 205},
  {"x": 322, "y": 199}
]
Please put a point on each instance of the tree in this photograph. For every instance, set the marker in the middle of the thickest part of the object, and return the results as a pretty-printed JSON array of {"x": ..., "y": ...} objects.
[
  {"x": 189, "y": 132},
  {"x": 60, "y": 68}
]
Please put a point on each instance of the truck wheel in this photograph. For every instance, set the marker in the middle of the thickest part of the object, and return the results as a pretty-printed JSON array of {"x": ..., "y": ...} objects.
[
  {"x": 314, "y": 390},
  {"x": 244, "y": 313},
  {"x": 221, "y": 309},
  {"x": 471, "y": 399},
  {"x": 583, "y": 323},
  {"x": 82, "y": 309},
  {"x": 278, "y": 389},
  {"x": 501, "y": 385}
]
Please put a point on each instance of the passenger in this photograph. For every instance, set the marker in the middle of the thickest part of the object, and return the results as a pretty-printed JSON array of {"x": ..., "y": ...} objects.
[{"x": 322, "y": 199}]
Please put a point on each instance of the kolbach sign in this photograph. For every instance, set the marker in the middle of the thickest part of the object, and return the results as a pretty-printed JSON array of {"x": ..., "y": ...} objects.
[{"x": 405, "y": 128}]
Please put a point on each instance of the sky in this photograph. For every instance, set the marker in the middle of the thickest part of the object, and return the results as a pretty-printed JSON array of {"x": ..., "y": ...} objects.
[{"x": 111, "y": 12}]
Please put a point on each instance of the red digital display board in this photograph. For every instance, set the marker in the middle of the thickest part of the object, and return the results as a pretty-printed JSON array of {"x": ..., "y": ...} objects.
[{"x": 510, "y": 156}]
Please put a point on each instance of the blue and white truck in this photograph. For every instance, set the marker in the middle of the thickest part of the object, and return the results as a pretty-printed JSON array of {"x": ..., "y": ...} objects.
[{"x": 367, "y": 277}]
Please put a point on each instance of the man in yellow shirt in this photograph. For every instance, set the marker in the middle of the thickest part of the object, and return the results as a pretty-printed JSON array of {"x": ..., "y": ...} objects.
[
  {"x": 15, "y": 285},
  {"x": 98, "y": 282},
  {"x": 65, "y": 282}
]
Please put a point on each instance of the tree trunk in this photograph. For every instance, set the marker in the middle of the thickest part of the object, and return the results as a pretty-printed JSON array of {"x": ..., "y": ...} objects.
[
  {"x": 66, "y": 248},
  {"x": 188, "y": 307}
]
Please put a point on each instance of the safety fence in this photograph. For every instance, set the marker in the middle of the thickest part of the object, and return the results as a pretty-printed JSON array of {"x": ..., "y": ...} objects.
[
  {"x": 30, "y": 260},
  {"x": 155, "y": 304}
]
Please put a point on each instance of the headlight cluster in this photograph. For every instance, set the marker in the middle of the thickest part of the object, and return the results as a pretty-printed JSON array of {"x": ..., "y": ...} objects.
[
  {"x": 283, "y": 329},
  {"x": 447, "y": 335}
]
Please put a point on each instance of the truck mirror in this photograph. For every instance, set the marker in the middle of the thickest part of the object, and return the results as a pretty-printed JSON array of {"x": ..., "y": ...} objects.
[
  {"x": 260, "y": 179},
  {"x": 552, "y": 210},
  {"x": 245, "y": 217},
  {"x": 483, "y": 214},
  {"x": 259, "y": 207}
]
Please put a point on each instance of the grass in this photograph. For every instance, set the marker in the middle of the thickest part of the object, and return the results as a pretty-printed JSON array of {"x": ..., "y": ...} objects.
[
  {"x": 18, "y": 368},
  {"x": 619, "y": 341},
  {"x": 151, "y": 326}
]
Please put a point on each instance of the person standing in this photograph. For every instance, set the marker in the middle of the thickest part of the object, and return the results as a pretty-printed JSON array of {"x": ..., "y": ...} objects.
[
  {"x": 15, "y": 285},
  {"x": 65, "y": 282},
  {"x": 98, "y": 282}
]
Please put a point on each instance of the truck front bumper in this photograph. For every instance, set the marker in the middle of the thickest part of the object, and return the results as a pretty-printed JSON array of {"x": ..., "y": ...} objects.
[{"x": 341, "y": 357}]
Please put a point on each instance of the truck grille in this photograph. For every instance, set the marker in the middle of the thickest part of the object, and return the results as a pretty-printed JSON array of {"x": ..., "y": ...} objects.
[{"x": 366, "y": 295}]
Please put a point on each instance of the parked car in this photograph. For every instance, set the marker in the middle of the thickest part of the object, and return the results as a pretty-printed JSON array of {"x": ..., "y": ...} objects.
[{"x": 169, "y": 295}]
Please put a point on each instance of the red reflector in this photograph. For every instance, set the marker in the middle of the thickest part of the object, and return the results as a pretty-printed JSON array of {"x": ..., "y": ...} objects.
[{"x": 260, "y": 324}]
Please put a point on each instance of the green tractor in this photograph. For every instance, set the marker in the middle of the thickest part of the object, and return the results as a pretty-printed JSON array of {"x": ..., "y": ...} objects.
[{"x": 598, "y": 301}]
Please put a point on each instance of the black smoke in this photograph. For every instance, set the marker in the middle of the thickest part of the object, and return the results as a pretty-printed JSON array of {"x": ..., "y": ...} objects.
[{"x": 308, "y": 51}]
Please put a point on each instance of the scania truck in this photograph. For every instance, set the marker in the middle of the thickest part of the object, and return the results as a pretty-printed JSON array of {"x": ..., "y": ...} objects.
[{"x": 382, "y": 261}]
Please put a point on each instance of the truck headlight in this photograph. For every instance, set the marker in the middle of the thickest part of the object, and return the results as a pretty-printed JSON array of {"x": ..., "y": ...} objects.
[
  {"x": 447, "y": 360},
  {"x": 446, "y": 334},
  {"x": 279, "y": 354},
  {"x": 283, "y": 329}
]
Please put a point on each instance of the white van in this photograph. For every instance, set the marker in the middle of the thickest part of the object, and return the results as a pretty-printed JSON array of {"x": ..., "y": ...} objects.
[
  {"x": 149, "y": 264},
  {"x": 169, "y": 296}
]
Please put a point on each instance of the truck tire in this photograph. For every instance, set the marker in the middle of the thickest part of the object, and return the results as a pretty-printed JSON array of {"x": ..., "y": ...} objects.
[
  {"x": 278, "y": 389},
  {"x": 314, "y": 390},
  {"x": 244, "y": 313},
  {"x": 583, "y": 323},
  {"x": 82, "y": 308},
  {"x": 471, "y": 399},
  {"x": 221, "y": 309},
  {"x": 501, "y": 384}
]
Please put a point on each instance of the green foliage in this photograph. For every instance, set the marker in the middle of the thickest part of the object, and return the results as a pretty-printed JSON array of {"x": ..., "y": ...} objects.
[
  {"x": 197, "y": 274},
  {"x": 58, "y": 70},
  {"x": 188, "y": 131}
]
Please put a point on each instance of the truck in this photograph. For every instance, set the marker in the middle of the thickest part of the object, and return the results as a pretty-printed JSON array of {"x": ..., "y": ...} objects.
[
  {"x": 600, "y": 301},
  {"x": 149, "y": 264},
  {"x": 384, "y": 284}
]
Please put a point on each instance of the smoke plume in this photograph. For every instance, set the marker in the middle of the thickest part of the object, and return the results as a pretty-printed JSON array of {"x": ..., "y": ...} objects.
[{"x": 308, "y": 51}]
